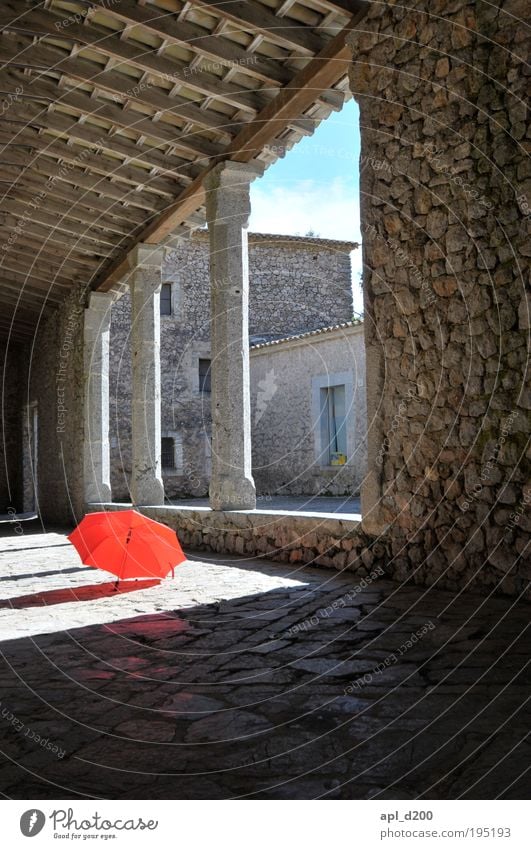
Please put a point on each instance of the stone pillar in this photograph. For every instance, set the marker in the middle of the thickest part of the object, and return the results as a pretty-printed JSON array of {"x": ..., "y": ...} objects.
[
  {"x": 96, "y": 462},
  {"x": 145, "y": 281},
  {"x": 228, "y": 210}
]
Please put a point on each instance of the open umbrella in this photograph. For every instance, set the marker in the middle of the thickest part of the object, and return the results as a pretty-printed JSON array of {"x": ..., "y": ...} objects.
[{"x": 127, "y": 544}]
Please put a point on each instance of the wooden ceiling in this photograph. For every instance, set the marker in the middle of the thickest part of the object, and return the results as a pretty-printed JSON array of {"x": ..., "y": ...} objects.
[{"x": 113, "y": 111}]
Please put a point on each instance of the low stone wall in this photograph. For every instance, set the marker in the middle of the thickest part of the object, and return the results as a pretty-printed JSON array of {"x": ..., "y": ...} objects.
[{"x": 296, "y": 538}]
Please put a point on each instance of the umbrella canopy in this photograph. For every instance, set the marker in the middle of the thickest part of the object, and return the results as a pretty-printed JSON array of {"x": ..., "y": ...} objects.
[{"x": 127, "y": 544}]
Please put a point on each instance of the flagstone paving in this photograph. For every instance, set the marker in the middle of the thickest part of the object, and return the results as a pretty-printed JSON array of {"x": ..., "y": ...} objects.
[{"x": 245, "y": 679}]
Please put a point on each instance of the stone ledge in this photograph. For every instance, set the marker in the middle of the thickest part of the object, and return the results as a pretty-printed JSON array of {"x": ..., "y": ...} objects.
[{"x": 319, "y": 539}]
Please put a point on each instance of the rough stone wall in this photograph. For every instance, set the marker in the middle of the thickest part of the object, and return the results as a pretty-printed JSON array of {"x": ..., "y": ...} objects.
[
  {"x": 56, "y": 384},
  {"x": 11, "y": 365},
  {"x": 294, "y": 285},
  {"x": 286, "y": 420},
  {"x": 446, "y": 195}
]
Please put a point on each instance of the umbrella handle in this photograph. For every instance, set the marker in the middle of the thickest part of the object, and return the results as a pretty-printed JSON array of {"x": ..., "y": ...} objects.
[{"x": 124, "y": 558}]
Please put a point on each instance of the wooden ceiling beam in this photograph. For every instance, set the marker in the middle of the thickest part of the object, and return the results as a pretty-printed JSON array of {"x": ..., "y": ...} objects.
[
  {"x": 66, "y": 207},
  {"x": 50, "y": 251},
  {"x": 258, "y": 19},
  {"x": 35, "y": 272},
  {"x": 33, "y": 282},
  {"x": 195, "y": 38},
  {"x": 42, "y": 216},
  {"x": 11, "y": 180},
  {"x": 47, "y": 90},
  {"x": 321, "y": 73},
  {"x": 47, "y": 23},
  {"x": 21, "y": 51},
  {"x": 152, "y": 156},
  {"x": 37, "y": 296},
  {"x": 77, "y": 163},
  {"x": 14, "y": 336}
]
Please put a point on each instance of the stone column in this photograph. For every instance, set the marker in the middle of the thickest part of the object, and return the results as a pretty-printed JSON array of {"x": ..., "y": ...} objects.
[
  {"x": 145, "y": 280},
  {"x": 96, "y": 462},
  {"x": 228, "y": 210}
]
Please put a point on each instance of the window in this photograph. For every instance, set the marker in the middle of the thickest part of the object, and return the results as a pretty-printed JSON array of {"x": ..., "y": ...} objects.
[
  {"x": 333, "y": 426},
  {"x": 204, "y": 376},
  {"x": 165, "y": 299},
  {"x": 168, "y": 452}
]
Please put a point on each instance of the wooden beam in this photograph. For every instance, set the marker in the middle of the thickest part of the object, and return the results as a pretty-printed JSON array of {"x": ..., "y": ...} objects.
[
  {"x": 100, "y": 109},
  {"x": 348, "y": 7},
  {"x": 52, "y": 250},
  {"x": 153, "y": 156},
  {"x": 42, "y": 215},
  {"x": 258, "y": 19},
  {"x": 19, "y": 51},
  {"x": 321, "y": 73},
  {"x": 15, "y": 336},
  {"x": 12, "y": 290},
  {"x": 47, "y": 23},
  {"x": 22, "y": 269},
  {"x": 20, "y": 313},
  {"x": 11, "y": 180},
  {"x": 36, "y": 272},
  {"x": 67, "y": 207},
  {"x": 324, "y": 71},
  {"x": 194, "y": 38},
  {"x": 61, "y": 161}
]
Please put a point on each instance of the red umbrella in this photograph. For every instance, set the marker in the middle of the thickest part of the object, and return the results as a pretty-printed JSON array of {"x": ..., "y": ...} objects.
[{"x": 127, "y": 544}]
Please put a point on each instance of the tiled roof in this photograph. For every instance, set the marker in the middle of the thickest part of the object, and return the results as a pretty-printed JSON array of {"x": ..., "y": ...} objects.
[
  {"x": 335, "y": 244},
  {"x": 308, "y": 333}
]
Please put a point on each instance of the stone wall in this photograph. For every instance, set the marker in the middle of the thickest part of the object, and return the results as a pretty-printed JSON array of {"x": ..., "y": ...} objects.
[
  {"x": 56, "y": 385},
  {"x": 12, "y": 359},
  {"x": 285, "y": 382},
  {"x": 446, "y": 196},
  {"x": 298, "y": 539},
  {"x": 295, "y": 284}
]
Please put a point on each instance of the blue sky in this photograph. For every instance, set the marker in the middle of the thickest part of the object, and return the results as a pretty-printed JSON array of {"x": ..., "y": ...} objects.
[{"x": 315, "y": 187}]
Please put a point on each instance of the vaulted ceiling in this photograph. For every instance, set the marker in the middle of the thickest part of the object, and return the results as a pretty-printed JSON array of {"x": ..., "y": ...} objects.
[{"x": 114, "y": 111}]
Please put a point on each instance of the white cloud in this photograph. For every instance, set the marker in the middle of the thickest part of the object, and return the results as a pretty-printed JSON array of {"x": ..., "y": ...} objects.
[{"x": 331, "y": 210}]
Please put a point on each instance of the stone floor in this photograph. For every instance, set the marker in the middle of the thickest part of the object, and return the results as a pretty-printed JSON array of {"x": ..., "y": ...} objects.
[{"x": 243, "y": 679}]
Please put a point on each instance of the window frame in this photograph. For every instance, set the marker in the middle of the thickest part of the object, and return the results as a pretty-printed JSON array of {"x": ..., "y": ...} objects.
[
  {"x": 331, "y": 381},
  {"x": 164, "y": 288},
  {"x": 206, "y": 377},
  {"x": 177, "y": 470}
]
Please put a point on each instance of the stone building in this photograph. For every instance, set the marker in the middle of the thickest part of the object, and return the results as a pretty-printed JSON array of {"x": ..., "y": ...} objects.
[
  {"x": 296, "y": 284},
  {"x": 308, "y": 416}
]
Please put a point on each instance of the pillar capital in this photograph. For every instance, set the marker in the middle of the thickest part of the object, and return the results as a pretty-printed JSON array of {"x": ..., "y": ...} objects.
[
  {"x": 144, "y": 255},
  {"x": 99, "y": 303},
  {"x": 227, "y": 188}
]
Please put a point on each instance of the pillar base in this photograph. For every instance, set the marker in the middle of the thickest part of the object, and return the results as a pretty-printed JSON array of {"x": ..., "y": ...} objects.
[
  {"x": 147, "y": 493},
  {"x": 231, "y": 494}
]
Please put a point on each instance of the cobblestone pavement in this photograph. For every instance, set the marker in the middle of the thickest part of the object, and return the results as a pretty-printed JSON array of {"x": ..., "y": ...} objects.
[{"x": 243, "y": 679}]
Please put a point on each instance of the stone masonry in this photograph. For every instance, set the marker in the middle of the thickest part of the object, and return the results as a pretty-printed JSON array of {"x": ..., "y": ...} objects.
[
  {"x": 286, "y": 376},
  {"x": 296, "y": 284},
  {"x": 446, "y": 195}
]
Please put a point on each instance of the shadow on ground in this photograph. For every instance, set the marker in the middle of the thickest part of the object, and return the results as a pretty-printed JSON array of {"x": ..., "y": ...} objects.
[{"x": 307, "y": 688}]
